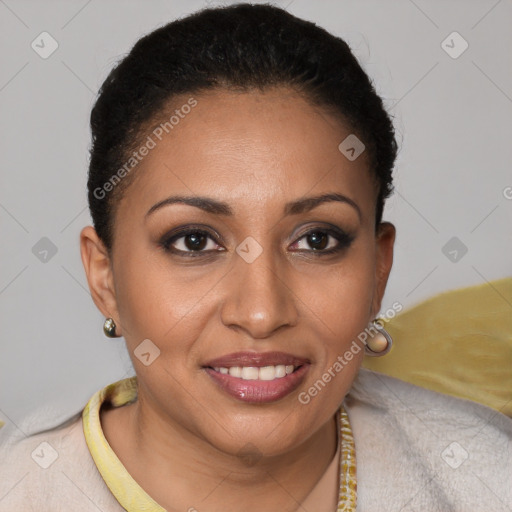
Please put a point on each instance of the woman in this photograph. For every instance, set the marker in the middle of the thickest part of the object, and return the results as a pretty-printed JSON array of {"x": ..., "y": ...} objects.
[{"x": 239, "y": 168}]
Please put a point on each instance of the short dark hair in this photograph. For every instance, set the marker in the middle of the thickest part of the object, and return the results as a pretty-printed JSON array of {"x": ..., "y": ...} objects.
[{"x": 240, "y": 47}]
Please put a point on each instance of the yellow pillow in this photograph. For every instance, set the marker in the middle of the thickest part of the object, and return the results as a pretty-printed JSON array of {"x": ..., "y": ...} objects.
[{"x": 458, "y": 342}]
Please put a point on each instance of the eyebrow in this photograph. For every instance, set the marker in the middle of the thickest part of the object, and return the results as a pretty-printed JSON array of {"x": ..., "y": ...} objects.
[{"x": 217, "y": 207}]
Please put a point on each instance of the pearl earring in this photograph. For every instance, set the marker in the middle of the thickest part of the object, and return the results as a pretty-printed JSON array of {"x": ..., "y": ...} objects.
[
  {"x": 379, "y": 342},
  {"x": 109, "y": 328}
]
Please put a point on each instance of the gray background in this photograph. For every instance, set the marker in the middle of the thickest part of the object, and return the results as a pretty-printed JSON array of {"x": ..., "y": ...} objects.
[{"x": 453, "y": 178}]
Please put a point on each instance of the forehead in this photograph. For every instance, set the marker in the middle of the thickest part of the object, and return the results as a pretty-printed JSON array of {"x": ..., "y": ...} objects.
[{"x": 254, "y": 149}]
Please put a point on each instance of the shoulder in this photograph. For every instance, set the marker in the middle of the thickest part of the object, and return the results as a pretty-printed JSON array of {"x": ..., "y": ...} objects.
[
  {"x": 51, "y": 470},
  {"x": 380, "y": 392},
  {"x": 442, "y": 451}
]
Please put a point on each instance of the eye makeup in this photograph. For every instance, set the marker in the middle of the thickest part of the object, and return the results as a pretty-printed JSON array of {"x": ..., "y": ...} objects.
[{"x": 199, "y": 241}]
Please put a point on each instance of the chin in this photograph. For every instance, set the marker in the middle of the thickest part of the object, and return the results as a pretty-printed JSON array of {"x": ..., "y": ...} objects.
[{"x": 262, "y": 433}]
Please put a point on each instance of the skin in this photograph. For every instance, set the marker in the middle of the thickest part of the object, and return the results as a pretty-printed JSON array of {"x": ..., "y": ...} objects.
[{"x": 256, "y": 151}]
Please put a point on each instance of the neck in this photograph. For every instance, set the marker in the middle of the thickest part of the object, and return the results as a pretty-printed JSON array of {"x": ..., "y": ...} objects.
[{"x": 182, "y": 471}]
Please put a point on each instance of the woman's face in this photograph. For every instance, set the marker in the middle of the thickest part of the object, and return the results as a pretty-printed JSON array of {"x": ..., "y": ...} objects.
[{"x": 265, "y": 276}]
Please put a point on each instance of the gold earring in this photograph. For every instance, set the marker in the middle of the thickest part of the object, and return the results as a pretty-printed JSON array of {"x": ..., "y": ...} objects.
[
  {"x": 379, "y": 342},
  {"x": 109, "y": 328}
]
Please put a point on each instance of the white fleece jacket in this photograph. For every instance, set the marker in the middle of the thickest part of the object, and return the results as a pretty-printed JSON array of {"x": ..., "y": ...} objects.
[{"x": 416, "y": 450}]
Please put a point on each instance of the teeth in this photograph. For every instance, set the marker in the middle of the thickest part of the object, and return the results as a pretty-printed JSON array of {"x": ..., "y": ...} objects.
[
  {"x": 280, "y": 371},
  {"x": 255, "y": 373},
  {"x": 250, "y": 373},
  {"x": 235, "y": 371},
  {"x": 267, "y": 373}
]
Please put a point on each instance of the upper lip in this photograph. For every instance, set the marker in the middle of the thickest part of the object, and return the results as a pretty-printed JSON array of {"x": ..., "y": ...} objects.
[{"x": 256, "y": 359}]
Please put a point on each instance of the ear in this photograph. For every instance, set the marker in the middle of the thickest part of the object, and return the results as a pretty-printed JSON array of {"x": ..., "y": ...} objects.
[
  {"x": 98, "y": 269},
  {"x": 385, "y": 239}
]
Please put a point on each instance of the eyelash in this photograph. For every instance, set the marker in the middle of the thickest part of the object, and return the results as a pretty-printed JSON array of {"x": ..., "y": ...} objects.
[{"x": 344, "y": 241}]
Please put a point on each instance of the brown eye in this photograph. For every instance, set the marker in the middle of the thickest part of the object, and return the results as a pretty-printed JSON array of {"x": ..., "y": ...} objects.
[
  {"x": 323, "y": 241},
  {"x": 190, "y": 241},
  {"x": 195, "y": 241},
  {"x": 318, "y": 240}
]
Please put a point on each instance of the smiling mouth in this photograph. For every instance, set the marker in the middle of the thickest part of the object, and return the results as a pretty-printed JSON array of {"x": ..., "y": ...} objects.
[{"x": 258, "y": 377}]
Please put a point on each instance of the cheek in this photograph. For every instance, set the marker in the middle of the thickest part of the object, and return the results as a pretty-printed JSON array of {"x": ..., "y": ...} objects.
[
  {"x": 156, "y": 304},
  {"x": 344, "y": 294},
  {"x": 343, "y": 308},
  {"x": 169, "y": 304},
  {"x": 339, "y": 312}
]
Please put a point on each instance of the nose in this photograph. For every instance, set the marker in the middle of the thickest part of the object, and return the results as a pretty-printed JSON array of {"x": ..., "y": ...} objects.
[{"x": 259, "y": 299}]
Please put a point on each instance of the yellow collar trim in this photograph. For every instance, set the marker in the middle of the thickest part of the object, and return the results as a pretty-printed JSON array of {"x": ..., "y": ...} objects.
[
  {"x": 126, "y": 490},
  {"x": 130, "y": 494}
]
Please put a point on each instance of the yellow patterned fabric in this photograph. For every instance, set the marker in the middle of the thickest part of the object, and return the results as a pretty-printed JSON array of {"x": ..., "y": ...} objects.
[
  {"x": 458, "y": 342},
  {"x": 134, "y": 499},
  {"x": 347, "y": 500}
]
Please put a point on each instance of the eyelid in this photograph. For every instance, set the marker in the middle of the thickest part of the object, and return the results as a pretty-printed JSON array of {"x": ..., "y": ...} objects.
[
  {"x": 192, "y": 228},
  {"x": 326, "y": 227}
]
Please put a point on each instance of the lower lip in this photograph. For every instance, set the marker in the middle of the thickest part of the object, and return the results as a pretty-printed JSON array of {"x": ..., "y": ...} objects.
[{"x": 259, "y": 391}]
